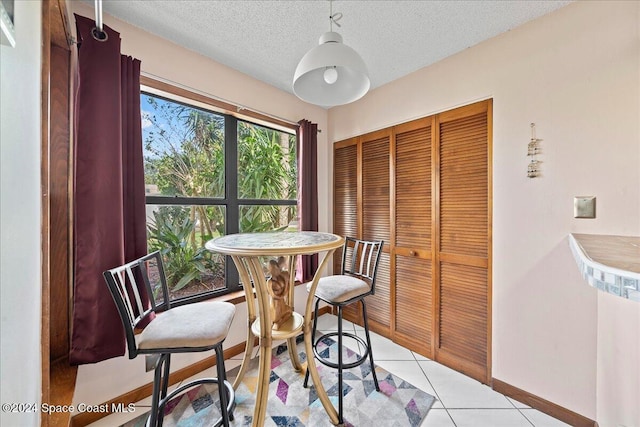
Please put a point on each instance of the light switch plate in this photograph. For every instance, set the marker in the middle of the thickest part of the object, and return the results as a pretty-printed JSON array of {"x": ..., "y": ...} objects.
[{"x": 584, "y": 207}]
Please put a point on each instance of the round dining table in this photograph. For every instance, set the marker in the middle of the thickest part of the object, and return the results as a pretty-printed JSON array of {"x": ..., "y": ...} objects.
[{"x": 250, "y": 252}]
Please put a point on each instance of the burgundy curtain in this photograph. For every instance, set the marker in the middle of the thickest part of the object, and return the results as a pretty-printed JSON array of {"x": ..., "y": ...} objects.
[
  {"x": 109, "y": 202},
  {"x": 307, "y": 134}
]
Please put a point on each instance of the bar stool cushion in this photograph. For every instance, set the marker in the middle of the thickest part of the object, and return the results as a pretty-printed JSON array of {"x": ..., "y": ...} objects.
[
  {"x": 340, "y": 288},
  {"x": 192, "y": 325}
]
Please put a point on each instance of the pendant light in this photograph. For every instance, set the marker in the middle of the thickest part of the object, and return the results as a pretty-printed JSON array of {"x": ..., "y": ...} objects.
[{"x": 331, "y": 73}]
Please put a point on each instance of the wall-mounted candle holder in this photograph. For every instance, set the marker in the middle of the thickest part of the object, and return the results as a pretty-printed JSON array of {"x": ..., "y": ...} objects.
[
  {"x": 533, "y": 149},
  {"x": 533, "y": 170}
]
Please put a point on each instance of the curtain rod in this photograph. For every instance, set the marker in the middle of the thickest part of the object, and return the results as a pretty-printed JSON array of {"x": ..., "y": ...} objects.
[{"x": 239, "y": 108}]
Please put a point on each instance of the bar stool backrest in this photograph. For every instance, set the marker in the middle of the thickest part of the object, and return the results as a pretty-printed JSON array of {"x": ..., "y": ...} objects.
[
  {"x": 360, "y": 259},
  {"x": 125, "y": 282}
]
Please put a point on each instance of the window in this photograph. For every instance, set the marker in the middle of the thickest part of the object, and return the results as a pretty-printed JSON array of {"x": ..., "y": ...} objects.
[{"x": 208, "y": 174}]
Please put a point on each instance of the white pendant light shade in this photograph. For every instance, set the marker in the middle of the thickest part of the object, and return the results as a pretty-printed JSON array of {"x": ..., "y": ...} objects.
[{"x": 331, "y": 73}]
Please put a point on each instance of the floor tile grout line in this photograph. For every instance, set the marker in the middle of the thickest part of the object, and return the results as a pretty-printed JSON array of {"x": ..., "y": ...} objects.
[
  {"x": 525, "y": 416},
  {"x": 483, "y": 408},
  {"x": 509, "y": 400},
  {"x": 450, "y": 417},
  {"x": 435, "y": 391},
  {"x": 487, "y": 409},
  {"x": 441, "y": 409},
  {"x": 448, "y": 408}
]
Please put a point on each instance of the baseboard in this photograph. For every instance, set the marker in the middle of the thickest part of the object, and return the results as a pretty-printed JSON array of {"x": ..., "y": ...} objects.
[
  {"x": 83, "y": 419},
  {"x": 556, "y": 411}
]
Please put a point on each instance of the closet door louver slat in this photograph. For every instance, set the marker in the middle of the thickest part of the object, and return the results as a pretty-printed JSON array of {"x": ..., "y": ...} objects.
[
  {"x": 463, "y": 319},
  {"x": 412, "y": 250},
  {"x": 379, "y": 305},
  {"x": 463, "y": 186},
  {"x": 413, "y": 304},
  {"x": 345, "y": 218},
  {"x": 376, "y": 222},
  {"x": 346, "y": 191},
  {"x": 375, "y": 189},
  {"x": 463, "y": 244}
]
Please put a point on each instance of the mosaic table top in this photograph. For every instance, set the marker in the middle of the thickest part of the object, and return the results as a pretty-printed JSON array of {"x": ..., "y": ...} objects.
[
  {"x": 609, "y": 263},
  {"x": 275, "y": 243}
]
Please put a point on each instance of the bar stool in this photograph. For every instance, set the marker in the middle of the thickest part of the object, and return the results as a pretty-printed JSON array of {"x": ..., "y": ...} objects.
[
  {"x": 356, "y": 281},
  {"x": 185, "y": 328}
]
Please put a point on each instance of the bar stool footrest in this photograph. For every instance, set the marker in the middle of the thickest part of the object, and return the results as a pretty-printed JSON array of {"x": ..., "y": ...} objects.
[
  {"x": 362, "y": 357},
  {"x": 231, "y": 397}
]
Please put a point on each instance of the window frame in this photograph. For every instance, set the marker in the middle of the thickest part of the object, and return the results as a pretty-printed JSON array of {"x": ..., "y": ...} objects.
[{"x": 230, "y": 200}]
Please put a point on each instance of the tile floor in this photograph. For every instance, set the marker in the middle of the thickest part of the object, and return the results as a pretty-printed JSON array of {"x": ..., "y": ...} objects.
[{"x": 460, "y": 400}]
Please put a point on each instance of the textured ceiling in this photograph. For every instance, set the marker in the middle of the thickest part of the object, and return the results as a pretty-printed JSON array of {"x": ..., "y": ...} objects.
[{"x": 266, "y": 39}]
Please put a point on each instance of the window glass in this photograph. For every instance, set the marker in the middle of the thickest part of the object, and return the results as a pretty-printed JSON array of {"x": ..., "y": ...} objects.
[
  {"x": 260, "y": 218},
  {"x": 266, "y": 163},
  {"x": 209, "y": 174},
  {"x": 179, "y": 233},
  {"x": 183, "y": 149}
]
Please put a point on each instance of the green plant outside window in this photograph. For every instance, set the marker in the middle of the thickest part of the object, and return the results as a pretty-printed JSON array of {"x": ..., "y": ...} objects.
[{"x": 196, "y": 191}]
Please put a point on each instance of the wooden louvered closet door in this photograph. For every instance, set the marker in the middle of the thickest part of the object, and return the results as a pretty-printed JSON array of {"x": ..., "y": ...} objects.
[
  {"x": 424, "y": 187},
  {"x": 412, "y": 251},
  {"x": 463, "y": 303},
  {"x": 376, "y": 222},
  {"x": 345, "y": 198},
  {"x": 346, "y": 202}
]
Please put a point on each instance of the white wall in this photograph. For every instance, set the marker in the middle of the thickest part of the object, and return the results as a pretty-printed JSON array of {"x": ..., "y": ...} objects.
[
  {"x": 99, "y": 382},
  {"x": 618, "y": 365},
  {"x": 20, "y": 274},
  {"x": 575, "y": 73}
]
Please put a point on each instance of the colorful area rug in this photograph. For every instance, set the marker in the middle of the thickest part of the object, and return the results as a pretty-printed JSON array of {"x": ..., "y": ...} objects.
[{"x": 397, "y": 404}]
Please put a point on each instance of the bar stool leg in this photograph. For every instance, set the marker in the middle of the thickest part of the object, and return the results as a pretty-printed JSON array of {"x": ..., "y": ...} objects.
[
  {"x": 340, "y": 391},
  {"x": 165, "y": 386},
  {"x": 160, "y": 385},
  {"x": 369, "y": 350},
  {"x": 155, "y": 398},
  {"x": 222, "y": 389}
]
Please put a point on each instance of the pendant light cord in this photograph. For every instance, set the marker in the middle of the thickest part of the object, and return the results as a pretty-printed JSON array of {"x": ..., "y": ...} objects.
[{"x": 333, "y": 17}]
